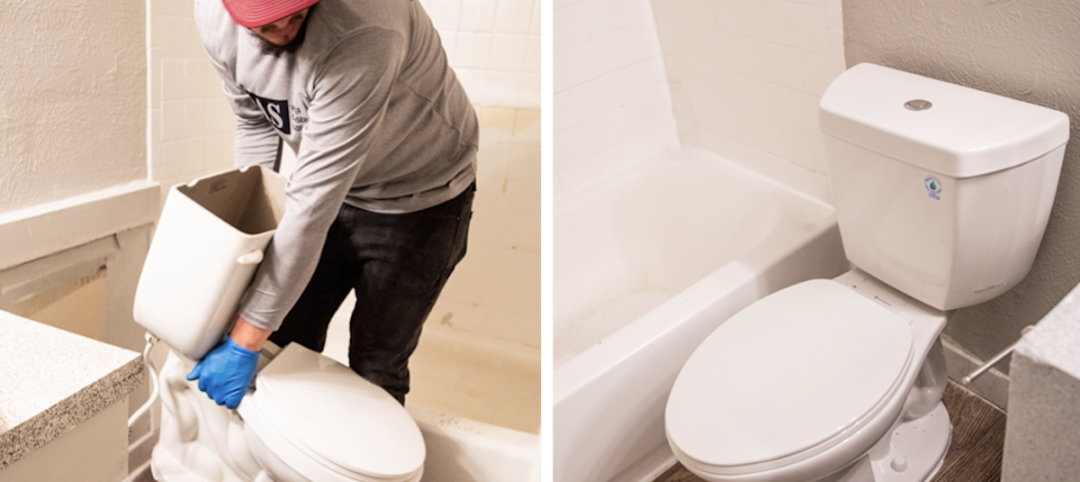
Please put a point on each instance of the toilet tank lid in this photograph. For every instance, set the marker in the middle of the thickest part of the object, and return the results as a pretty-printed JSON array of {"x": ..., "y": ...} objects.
[{"x": 961, "y": 133}]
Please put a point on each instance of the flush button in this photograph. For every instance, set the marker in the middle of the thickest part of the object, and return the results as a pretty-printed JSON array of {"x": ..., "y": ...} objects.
[{"x": 917, "y": 104}]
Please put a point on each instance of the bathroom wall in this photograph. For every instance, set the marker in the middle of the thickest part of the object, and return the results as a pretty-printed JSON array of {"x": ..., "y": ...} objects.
[
  {"x": 74, "y": 94},
  {"x": 494, "y": 47},
  {"x": 73, "y": 147},
  {"x": 746, "y": 78},
  {"x": 1023, "y": 50},
  {"x": 611, "y": 98}
]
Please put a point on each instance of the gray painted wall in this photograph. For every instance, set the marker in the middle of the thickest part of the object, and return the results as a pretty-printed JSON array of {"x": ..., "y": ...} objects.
[{"x": 1029, "y": 51}]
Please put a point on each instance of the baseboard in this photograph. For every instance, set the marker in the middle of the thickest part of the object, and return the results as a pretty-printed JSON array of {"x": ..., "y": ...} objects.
[{"x": 992, "y": 385}]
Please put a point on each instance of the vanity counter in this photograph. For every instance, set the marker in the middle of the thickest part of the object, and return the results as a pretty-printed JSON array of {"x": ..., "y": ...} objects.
[{"x": 52, "y": 380}]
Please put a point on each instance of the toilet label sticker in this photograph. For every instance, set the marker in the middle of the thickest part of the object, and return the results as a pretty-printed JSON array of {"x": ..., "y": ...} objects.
[{"x": 933, "y": 186}]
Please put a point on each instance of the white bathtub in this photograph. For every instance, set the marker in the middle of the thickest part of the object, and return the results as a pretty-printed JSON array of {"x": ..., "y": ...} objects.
[
  {"x": 475, "y": 399},
  {"x": 646, "y": 265}
]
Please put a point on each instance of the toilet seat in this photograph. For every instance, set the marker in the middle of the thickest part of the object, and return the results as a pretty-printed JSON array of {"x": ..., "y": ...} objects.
[
  {"x": 787, "y": 378},
  {"x": 329, "y": 424}
]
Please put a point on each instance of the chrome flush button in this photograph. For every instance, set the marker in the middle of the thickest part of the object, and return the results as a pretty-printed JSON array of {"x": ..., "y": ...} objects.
[{"x": 917, "y": 104}]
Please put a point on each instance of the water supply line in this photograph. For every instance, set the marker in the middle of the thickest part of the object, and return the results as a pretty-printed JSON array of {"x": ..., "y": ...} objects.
[
  {"x": 151, "y": 340},
  {"x": 997, "y": 358}
]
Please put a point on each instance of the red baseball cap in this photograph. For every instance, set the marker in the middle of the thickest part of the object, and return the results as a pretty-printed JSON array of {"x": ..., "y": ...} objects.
[{"x": 255, "y": 13}]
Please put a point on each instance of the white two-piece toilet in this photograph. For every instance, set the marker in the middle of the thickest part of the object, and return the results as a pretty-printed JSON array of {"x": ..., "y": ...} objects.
[
  {"x": 309, "y": 418},
  {"x": 942, "y": 194}
]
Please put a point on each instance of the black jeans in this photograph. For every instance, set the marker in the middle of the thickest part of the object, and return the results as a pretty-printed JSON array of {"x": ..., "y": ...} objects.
[{"x": 398, "y": 265}]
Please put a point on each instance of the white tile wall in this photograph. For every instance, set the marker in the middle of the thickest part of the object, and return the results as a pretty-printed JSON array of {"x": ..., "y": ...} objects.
[
  {"x": 746, "y": 77},
  {"x": 494, "y": 46},
  {"x": 612, "y": 102},
  {"x": 191, "y": 124}
]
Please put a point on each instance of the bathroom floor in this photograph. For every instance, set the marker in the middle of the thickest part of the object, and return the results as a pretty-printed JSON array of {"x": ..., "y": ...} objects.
[{"x": 975, "y": 452}]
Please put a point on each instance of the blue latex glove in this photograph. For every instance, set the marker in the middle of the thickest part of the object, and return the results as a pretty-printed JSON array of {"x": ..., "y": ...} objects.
[{"x": 225, "y": 373}]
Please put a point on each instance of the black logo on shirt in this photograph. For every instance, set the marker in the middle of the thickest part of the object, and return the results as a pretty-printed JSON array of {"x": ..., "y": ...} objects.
[{"x": 276, "y": 111}]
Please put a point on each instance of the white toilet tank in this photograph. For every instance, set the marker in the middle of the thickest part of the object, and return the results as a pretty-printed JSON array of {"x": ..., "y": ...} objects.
[
  {"x": 941, "y": 191},
  {"x": 208, "y": 243}
]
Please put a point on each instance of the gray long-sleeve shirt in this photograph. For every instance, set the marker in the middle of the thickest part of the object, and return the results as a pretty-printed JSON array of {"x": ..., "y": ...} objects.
[{"x": 376, "y": 116}]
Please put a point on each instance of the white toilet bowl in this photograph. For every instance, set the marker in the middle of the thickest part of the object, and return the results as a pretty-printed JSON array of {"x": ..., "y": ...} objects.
[
  {"x": 310, "y": 418},
  {"x": 821, "y": 372}
]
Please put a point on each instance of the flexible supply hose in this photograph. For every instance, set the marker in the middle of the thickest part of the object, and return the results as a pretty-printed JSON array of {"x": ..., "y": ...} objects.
[
  {"x": 151, "y": 340},
  {"x": 997, "y": 358}
]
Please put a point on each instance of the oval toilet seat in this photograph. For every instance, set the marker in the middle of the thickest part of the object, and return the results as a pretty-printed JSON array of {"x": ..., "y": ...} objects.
[
  {"x": 786, "y": 379},
  {"x": 329, "y": 424}
]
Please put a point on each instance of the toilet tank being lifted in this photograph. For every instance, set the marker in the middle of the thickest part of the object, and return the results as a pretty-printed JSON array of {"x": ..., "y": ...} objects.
[
  {"x": 208, "y": 243},
  {"x": 940, "y": 190}
]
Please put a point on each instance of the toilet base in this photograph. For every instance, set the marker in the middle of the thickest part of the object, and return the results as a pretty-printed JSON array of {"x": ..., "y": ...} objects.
[
  {"x": 912, "y": 451},
  {"x": 201, "y": 441}
]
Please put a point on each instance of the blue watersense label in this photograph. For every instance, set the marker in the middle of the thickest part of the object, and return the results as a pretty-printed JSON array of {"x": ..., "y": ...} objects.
[{"x": 933, "y": 186}]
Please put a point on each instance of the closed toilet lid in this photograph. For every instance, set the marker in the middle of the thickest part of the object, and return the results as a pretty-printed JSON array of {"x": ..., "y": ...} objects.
[
  {"x": 778, "y": 381},
  {"x": 333, "y": 416}
]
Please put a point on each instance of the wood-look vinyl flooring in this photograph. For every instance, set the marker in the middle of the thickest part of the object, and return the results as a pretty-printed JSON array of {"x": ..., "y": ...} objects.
[{"x": 974, "y": 454}]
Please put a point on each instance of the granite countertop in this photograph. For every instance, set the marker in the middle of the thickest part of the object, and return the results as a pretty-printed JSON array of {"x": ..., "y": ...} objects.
[
  {"x": 1055, "y": 338},
  {"x": 52, "y": 380}
]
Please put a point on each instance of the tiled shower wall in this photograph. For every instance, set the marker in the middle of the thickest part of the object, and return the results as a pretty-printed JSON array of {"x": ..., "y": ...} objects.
[
  {"x": 191, "y": 124},
  {"x": 494, "y": 47},
  {"x": 747, "y": 76},
  {"x": 612, "y": 103},
  {"x": 743, "y": 78}
]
